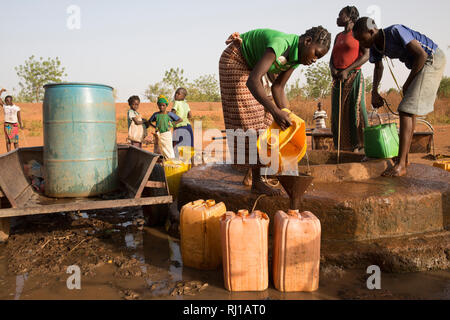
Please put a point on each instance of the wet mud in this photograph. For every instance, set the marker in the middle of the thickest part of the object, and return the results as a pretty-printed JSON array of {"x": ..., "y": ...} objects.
[{"x": 120, "y": 258}]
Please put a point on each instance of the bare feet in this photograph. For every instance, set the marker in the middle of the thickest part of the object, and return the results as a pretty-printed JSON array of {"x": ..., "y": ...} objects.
[
  {"x": 260, "y": 187},
  {"x": 396, "y": 160},
  {"x": 396, "y": 171}
]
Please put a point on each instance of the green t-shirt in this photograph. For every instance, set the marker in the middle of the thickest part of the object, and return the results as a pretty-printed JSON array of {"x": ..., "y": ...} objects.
[
  {"x": 182, "y": 109},
  {"x": 164, "y": 120},
  {"x": 285, "y": 46}
]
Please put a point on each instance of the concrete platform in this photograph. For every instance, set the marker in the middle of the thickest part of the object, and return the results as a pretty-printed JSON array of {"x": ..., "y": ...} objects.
[{"x": 401, "y": 222}]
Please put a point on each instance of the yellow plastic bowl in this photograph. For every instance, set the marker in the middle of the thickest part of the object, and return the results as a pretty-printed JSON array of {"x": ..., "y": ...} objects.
[{"x": 291, "y": 142}]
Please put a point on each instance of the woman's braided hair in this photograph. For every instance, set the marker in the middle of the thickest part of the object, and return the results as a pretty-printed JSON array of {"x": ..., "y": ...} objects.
[
  {"x": 319, "y": 35},
  {"x": 352, "y": 13}
]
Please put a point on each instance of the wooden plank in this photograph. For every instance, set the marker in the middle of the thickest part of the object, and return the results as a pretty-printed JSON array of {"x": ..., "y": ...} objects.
[
  {"x": 155, "y": 184},
  {"x": 146, "y": 177},
  {"x": 83, "y": 205}
]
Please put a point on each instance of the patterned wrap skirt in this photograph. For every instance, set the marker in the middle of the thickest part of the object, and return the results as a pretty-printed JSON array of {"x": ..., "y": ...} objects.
[{"x": 240, "y": 109}]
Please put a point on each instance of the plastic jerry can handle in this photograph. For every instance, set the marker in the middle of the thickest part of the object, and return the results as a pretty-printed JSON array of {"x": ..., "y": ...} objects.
[
  {"x": 242, "y": 213},
  {"x": 210, "y": 202}
]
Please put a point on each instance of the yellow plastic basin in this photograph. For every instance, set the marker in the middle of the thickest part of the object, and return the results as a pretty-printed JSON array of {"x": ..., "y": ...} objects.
[
  {"x": 291, "y": 142},
  {"x": 174, "y": 170}
]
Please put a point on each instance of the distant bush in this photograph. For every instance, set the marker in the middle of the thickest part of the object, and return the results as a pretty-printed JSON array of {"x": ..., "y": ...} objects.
[{"x": 444, "y": 88}]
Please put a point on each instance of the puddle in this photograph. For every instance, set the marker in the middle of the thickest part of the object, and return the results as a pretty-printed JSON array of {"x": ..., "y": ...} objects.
[{"x": 148, "y": 263}]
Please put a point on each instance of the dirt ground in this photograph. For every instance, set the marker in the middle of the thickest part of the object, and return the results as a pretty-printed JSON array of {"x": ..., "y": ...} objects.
[{"x": 120, "y": 258}]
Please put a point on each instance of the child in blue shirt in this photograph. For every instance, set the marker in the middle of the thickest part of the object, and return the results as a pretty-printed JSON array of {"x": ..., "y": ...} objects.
[{"x": 426, "y": 62}]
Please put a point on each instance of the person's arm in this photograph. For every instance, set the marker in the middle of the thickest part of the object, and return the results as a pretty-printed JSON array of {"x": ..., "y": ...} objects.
[
  {"x": 20, "y": 119},
  {"x": 333, "y": 69},
  {"x": 377, "y": 100},
  {"x": 189, "y": 115},
  {"x": 175, "y": 118},
  {"x": 151, "y": 120},
  {"x": 136, "y": 121},
  {"x": 343, "y": 75},
  {"x": 254, "y": 84},
  {"x": 278, "y": 92},
  {"x": 420, "y": 57}
]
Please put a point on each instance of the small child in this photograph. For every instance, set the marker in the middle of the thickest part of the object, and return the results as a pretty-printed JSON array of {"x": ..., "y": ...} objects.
[
  {"x": 320, "y": 116},
  {"x": 164, "y": 121},
  {"x": 137, "y": 129},
  {"x": 12, "y": 121},
  {"x": 182, "y": 133}
]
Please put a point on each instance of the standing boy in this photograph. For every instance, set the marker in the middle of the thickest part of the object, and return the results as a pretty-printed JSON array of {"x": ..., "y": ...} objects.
[
  {"x": 12, "y": 121},
  {"x": 426, "y": 62},
  {"x": 320, "y": 116},
  {"x": 182, "y": 133}
]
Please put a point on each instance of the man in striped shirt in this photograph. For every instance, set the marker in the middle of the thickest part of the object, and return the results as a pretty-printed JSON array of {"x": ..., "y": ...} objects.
[{"x": 320, "y": 116}]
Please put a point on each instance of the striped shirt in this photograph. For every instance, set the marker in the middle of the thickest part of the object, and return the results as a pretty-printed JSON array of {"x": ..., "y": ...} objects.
[{"x": 320, "y": 117}]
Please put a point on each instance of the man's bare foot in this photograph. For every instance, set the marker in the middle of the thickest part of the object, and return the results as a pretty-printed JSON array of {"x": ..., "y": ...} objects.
[
  {"x": 396, "y": 171},
  {"x": 260, "y": 187},
  {"x": 248, "y": 178}
]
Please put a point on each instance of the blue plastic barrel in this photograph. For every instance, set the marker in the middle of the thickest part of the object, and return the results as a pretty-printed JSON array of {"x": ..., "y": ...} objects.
[{"x": 80, "y": 149}]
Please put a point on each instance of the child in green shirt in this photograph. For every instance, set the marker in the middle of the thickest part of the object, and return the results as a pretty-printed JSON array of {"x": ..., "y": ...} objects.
[{"x": 164, "y": 121}]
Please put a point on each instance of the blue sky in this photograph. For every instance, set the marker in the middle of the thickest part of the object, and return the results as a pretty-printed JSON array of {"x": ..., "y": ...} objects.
[{"x": 129, "y": 44}]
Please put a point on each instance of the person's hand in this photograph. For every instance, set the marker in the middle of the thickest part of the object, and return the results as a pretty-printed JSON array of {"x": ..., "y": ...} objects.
[
  {"x": 282, "y": 119},
  {"x": 334, "y": 73},
  {"x": 342, "y": 75},
  {"x": 377, "y": 100}
]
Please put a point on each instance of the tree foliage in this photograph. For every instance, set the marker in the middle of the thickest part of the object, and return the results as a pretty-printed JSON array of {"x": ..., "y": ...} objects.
[
  {"x": 204, "y": 88},
  {"x": 34, "y": 74},
  {"x": 294, "y": 90},
  {"x": 318, "y": 80},
  {"x": 368, "y": 84},
  {"x": 444, "y": 88}
]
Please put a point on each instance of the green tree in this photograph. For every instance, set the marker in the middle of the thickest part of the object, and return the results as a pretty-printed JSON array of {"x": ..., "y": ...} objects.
[
  {"x": 368, "y": 84},
  {"x": 204, "y": 88},
  {"x": 444, "y": 88},
  {"x": 318, "y": 80},
  {"x": 154, "y": 90},
  {"x": 34, "y": 74},
  {"x": 174, "y": 78},
  {"x": 294, "y": 90}
]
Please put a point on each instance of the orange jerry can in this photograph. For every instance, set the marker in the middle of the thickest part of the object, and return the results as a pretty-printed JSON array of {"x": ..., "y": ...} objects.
[
  {"x": 296, "y": 251},
  {"x": 200, "y": 234},
  {"x": 245, "y": 250}
]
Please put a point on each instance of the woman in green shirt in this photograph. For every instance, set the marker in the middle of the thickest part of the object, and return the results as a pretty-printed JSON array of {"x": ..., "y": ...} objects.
[{"x": 243, "y": 64}]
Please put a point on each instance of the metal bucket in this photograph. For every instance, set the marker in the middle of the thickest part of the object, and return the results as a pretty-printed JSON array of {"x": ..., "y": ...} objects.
[{"x": 80, "y": 149}]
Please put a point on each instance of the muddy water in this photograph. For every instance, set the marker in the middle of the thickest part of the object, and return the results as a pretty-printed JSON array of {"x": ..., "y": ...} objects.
[{"x": 158, "y": 268}]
